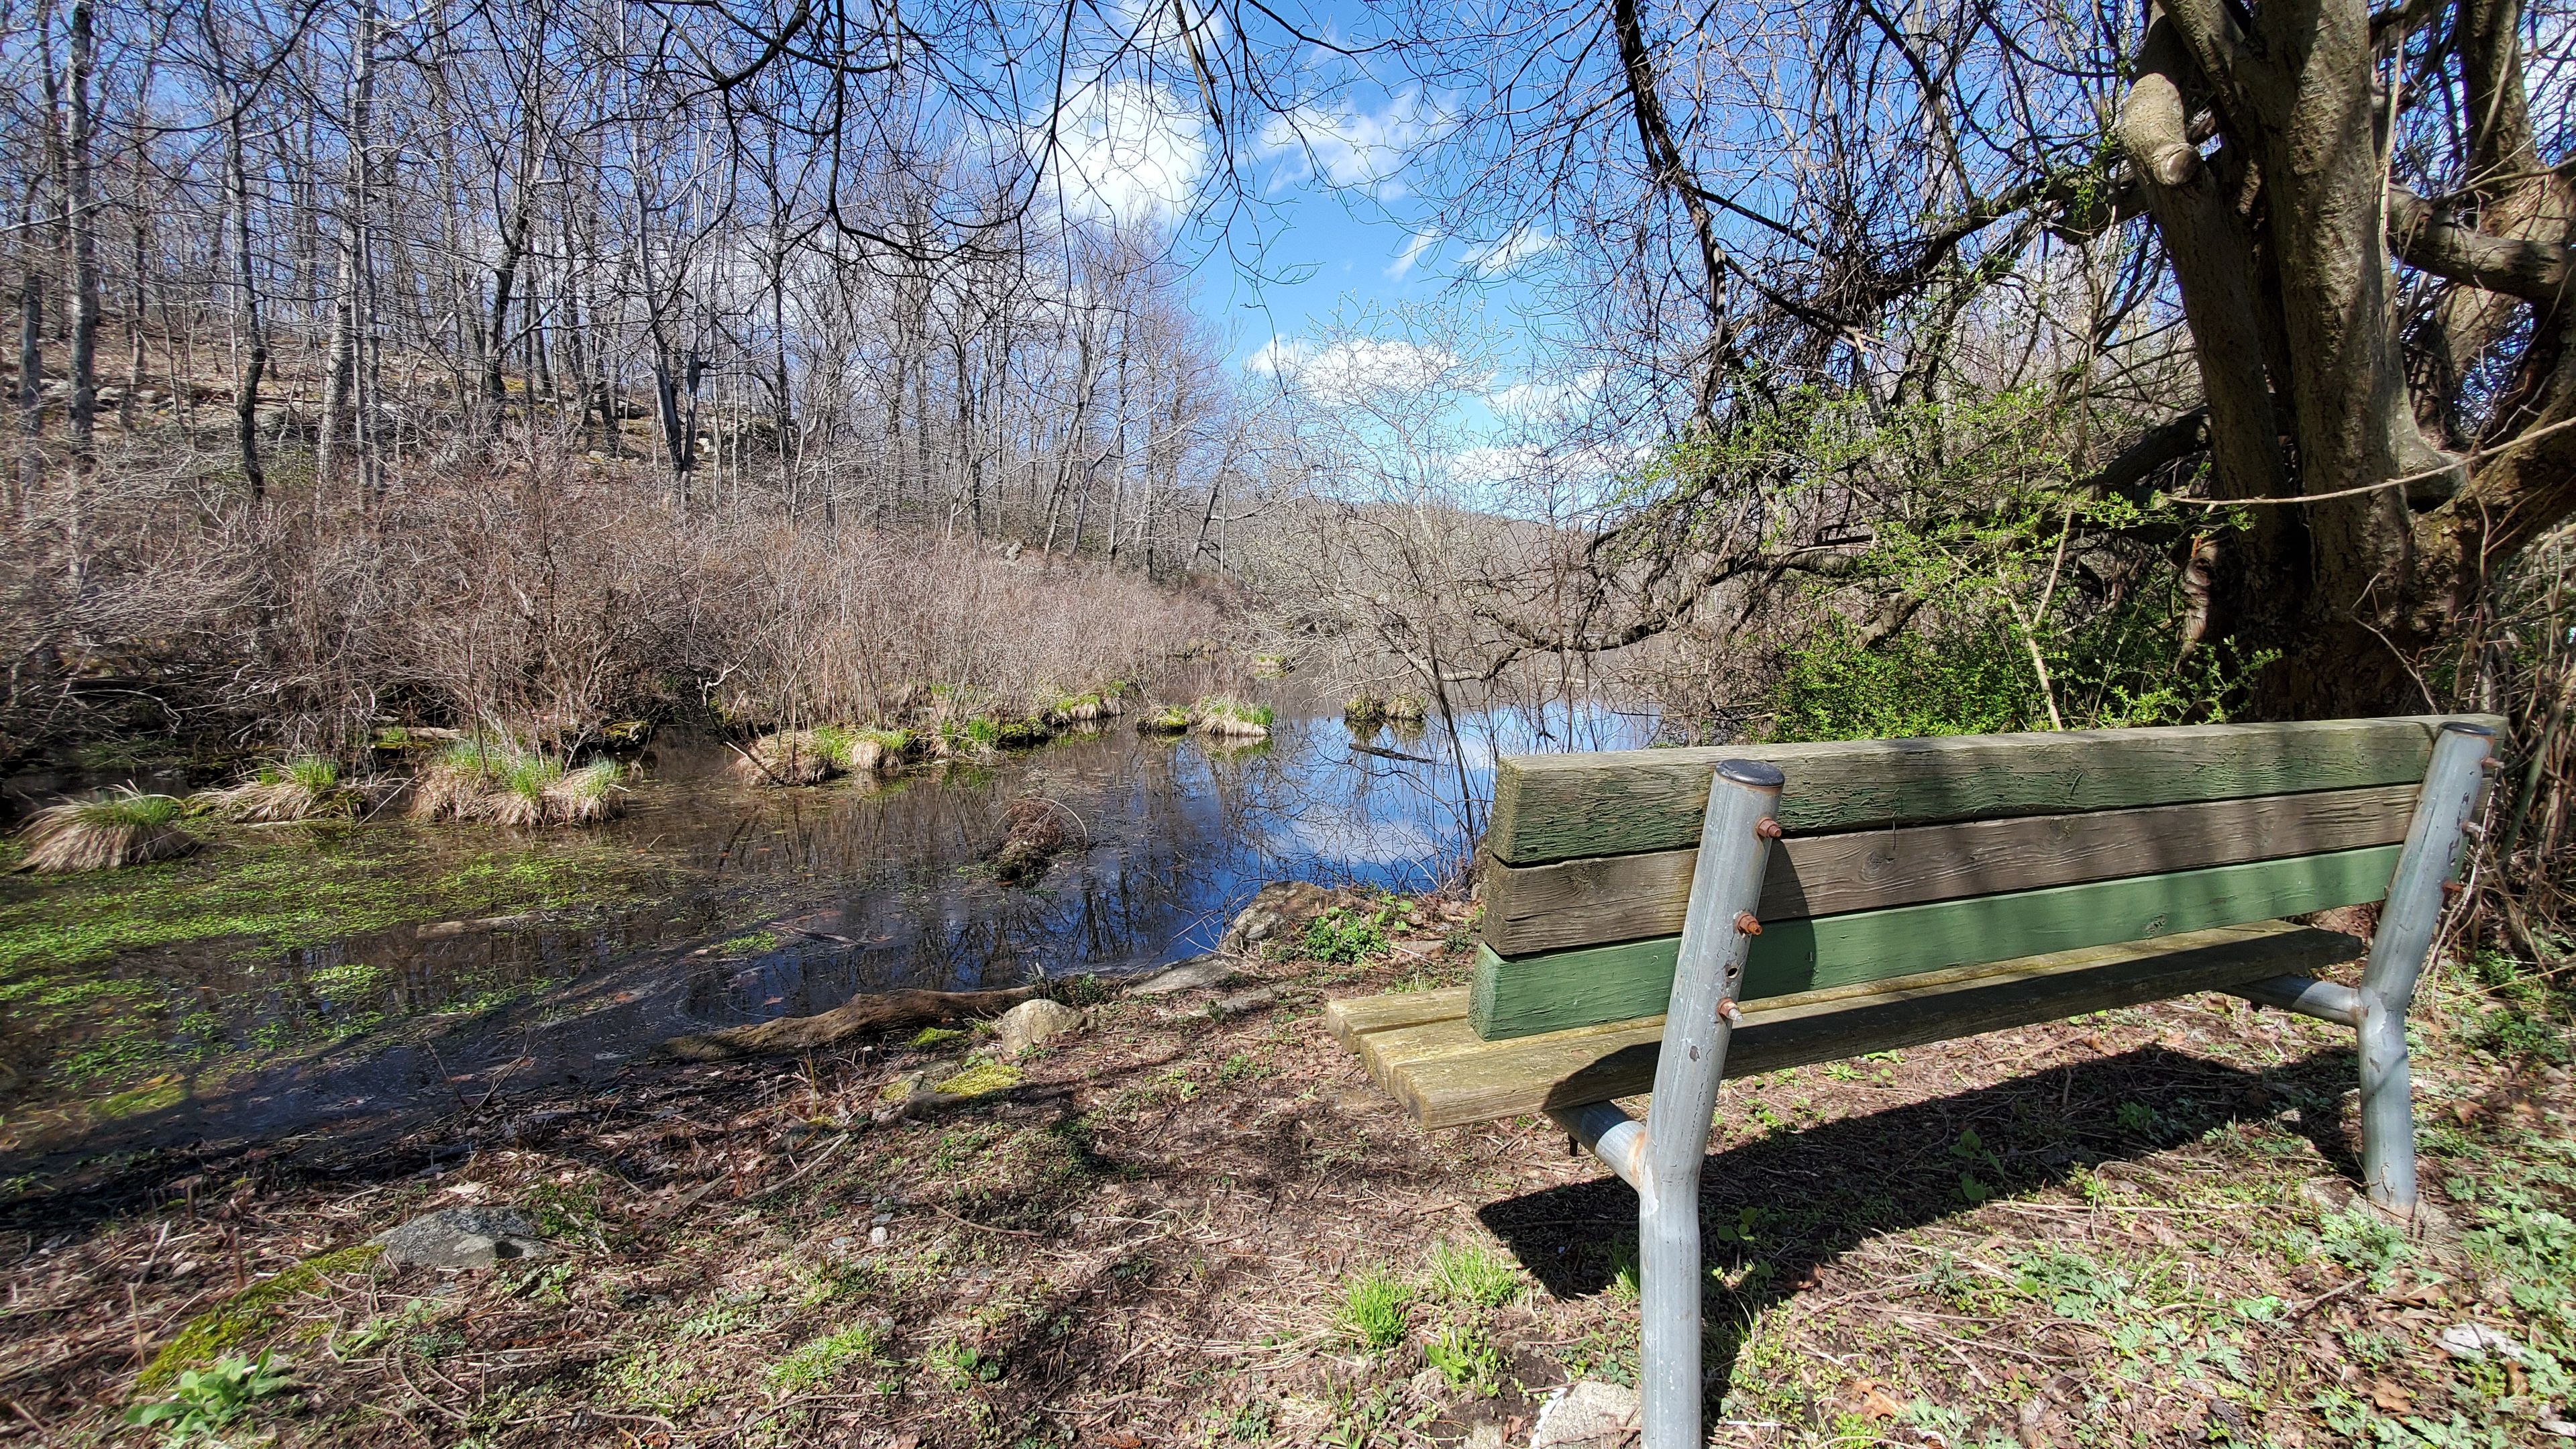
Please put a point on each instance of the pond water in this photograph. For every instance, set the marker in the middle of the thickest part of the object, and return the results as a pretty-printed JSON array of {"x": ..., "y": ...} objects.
[{"x": 290, "y": 978}]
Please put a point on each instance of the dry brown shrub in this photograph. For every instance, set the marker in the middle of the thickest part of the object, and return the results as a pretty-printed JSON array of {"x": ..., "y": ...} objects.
[{"x": 547, "y": 595}]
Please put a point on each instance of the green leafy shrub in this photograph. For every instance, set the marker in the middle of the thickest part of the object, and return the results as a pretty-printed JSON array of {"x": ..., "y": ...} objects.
[{"x": 1840, "y": 688}]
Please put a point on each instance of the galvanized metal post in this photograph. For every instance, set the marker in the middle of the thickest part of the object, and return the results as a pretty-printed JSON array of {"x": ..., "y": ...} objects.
[
  {"x": 2413, "y": 911},
  {"x": 1734, "y": 845}
]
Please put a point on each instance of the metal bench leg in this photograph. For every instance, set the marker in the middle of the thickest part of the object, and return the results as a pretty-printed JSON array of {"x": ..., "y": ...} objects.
[
  {"x": 1661, "y": 1159},
  {"x": 2434, "y": 844}
]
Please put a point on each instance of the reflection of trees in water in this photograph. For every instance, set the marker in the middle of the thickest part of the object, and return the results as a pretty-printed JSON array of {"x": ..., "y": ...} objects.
[{"x": 1180, "y": 835}]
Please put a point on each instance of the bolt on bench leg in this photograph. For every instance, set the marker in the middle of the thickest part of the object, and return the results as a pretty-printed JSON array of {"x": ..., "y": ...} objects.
[
  {"x": 1661, "y": 1159},
  {"x": 2434, "y": 843}
]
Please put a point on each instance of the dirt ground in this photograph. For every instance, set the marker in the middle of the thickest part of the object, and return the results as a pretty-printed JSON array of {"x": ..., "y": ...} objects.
[{"x": 1195, "y": 1221}]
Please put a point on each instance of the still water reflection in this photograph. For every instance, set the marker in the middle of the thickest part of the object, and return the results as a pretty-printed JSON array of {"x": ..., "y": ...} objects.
[{"x": 712, "y": 903}]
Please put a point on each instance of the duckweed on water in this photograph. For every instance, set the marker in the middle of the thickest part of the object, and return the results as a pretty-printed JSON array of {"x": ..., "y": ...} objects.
[
  {"x": 291, "y": 895},
  {"x": 79, "y": 978}
]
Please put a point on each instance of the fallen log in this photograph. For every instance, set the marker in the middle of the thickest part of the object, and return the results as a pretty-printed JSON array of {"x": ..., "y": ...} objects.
[
  {"x": 1386, "y": 754},
  {"x": 859, "y": 1016}
]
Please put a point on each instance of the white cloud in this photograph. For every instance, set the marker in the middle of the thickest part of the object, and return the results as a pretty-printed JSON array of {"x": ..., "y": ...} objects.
[
  {"x": 1522, "y": 244},
  {"x": 1351, "y": 147},
  {"x": 1494, "y": 466},
  {"x": 1126, "y": 153},
  {"x": 1353, "y": 368}
]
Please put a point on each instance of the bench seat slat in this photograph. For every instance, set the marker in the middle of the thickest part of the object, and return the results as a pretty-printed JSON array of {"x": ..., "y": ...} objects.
[
  {"x": 1551, "y": 992},
  {"x": 1565, "y": 807},
  {"x": 1603, "y": 900},
  {"x": 1430, "y": 1060}
]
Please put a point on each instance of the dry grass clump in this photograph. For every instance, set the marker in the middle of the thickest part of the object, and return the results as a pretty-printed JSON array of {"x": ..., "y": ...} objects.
[
  {"x": 121, "y": 827},
  {"x": 1090, "y": 708},
  {"x": 1231, "y": 718},
  {"x": 306, "y": 787},
  {"x": 810, "y": 757},
  {"x": 1167, "y": 719},
  {"x": 501, "y": 784}
]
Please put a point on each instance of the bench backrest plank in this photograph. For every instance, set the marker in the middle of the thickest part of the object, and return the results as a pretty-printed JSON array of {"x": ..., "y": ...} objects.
[
  {"x": 1908, "y": 856},
  {"x": 1561, "y": 807},
  {"x": 1604, "y": 899},
  {"x": 1613, "y": 983}
]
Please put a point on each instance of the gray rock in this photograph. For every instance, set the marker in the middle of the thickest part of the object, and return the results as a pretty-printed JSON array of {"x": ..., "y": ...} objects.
[
  {"x": 461, "y": 1237},
  {"x": 1243, "y": 1001},
  {"x": 1195, "y": 974},
  {"x": 1281, "y": 905},
  {"x": 1033, "y": 1023},
  {"x": 1587, "y": 1415}
]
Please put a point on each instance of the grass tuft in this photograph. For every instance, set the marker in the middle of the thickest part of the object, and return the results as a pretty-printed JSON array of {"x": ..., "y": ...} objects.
[
  {"x": 1224, "y": 715},
  {"x": 497, "y": 783},
  {"x": 1473, "y": 1274},
  {"x": 1375, "y": 1306},
  {"x": 122, "y": 827},
  {"x": 305, "y": 787}
]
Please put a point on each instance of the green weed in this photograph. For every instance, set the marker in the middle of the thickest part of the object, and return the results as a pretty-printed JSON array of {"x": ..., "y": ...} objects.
[
  {"x": 1345, "y": 937},
  {"x": 205, "y": 1401},
  {"x": 1375, "y": 1306},
  {"x": 1467, "y": 1359},
  {"x": 2361, "y": 1240}
]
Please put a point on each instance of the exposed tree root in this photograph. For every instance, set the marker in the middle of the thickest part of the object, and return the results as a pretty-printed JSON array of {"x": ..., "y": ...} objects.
[{"x": 859, "y": 1016}]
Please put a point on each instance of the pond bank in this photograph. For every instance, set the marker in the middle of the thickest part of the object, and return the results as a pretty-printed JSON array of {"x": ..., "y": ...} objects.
[{"x": 1194, "y": 1220}]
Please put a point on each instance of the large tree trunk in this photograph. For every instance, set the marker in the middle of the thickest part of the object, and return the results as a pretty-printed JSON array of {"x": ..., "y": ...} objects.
[{"x": 2282, "y": 247}]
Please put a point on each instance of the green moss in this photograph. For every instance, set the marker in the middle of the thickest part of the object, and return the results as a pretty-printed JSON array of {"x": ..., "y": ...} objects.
[
  {"x": 159, "y": 1095},
  {"x": 930, "y": 1038},
  {"x": 1020, "y": 734},
  {"x": 750, "y": 943},
  {"x": 254, "y": 1311},
  {"x": 981, "y": 1079},
  {"x": 820, "y": 1361}
]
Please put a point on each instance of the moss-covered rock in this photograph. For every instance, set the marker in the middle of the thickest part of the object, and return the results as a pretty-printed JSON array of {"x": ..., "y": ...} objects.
[{"x": 254, "y": 1312}]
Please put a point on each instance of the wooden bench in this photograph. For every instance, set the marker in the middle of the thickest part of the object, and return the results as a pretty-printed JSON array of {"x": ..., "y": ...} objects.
[{"x": 1766, "y": 906}]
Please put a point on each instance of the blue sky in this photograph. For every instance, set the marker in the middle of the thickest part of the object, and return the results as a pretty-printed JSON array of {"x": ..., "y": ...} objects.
[{"x": 1332, "y": 224}]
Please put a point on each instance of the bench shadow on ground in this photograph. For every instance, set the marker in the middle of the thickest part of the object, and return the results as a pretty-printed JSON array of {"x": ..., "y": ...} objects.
[{"x": 1775, "y": 1210}]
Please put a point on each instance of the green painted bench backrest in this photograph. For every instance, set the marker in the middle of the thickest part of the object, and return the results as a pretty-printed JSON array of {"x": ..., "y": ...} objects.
[{"x": 1905, "y": 856}]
